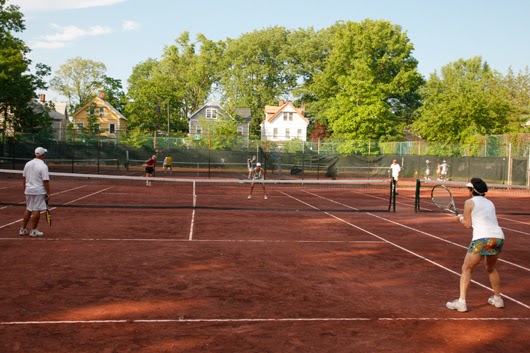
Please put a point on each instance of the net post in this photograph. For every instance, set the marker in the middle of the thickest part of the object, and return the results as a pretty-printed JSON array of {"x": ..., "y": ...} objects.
[
  {"x": 394, "y": 184},
  {"x": 417, "y": 196}
]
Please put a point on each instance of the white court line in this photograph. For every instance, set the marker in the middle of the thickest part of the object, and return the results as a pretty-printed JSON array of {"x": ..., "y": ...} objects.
[
  {"x": 400, "y": 247},
  {"x": 513, "y": 220},
  {"x": 516, "y": 231},
  {"x": 172, "y": 240},
  {"x": 249, "y": 320},
  {"x": 192, "y": 225},
  {"x": 416, "y": 230},
  {"x": 84, "y": 197}
]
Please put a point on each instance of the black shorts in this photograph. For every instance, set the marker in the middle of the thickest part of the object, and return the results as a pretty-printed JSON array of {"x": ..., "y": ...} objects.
[{"x": 149, "y": 170}]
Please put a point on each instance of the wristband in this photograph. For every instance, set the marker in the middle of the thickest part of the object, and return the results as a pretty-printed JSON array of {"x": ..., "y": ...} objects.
[{"x": 461, "y": 219}]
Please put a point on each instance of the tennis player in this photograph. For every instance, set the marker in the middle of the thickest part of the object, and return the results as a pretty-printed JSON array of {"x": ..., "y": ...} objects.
[
  {"x": 150, "y": 169},
  {"x": 37, "y": 191},
  {"x": 395, "y": 169},
  {"x": 257, "y": 174},
  {"x": 168, "y": 164},
  {"x": 486, "y": 244}
]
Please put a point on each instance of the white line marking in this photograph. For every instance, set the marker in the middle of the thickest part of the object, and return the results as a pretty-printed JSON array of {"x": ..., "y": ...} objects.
[
  {"x": 402, "y": 248},
  {"x": 192, "y": 224},
  {"x": 309, "y": 319},
  {"x": 207, "y": 240}
]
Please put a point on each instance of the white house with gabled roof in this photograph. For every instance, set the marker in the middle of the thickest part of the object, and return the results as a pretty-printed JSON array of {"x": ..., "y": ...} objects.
[{"x": 283, "y": 123}]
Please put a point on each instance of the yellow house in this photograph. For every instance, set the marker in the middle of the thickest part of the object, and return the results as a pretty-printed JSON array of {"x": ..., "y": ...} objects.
[{"x": 109, "y": 121}]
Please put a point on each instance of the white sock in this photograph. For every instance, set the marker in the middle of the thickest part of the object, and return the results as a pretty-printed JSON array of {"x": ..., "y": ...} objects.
[
  {"x": 462, "y": 301},
  {"x": 497, "y": 297}
]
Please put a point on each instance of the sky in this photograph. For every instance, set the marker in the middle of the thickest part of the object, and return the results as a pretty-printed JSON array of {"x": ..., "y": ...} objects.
[{"x": 124, "y": 33}]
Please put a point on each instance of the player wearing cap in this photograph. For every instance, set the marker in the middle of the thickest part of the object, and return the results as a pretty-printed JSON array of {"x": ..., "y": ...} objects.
[
  {"x": 37, "y": 191},
  {"x": 486, "y": 244},
  {"x": 257, "y": 174},
  {"x": 150, "y": 169}
]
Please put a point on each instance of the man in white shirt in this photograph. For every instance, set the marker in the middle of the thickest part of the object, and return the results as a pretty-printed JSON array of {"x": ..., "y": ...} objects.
[
  {"x": 37, "y": 191},
  {"x": 395, "y": 169}
]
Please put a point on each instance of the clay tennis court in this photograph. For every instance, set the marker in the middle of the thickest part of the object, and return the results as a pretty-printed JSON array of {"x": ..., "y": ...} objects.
[{"x": 304, "y": 271}]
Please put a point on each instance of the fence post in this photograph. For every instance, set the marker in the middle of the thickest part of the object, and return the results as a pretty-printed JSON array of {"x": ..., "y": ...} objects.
[{"x": 510, "y": 163}]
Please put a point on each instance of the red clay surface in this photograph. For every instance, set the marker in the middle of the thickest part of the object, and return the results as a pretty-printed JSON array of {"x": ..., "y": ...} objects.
[{"x": 185, "y": 280}]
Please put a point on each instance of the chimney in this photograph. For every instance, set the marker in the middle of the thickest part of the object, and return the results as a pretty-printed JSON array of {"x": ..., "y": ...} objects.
[
  {"x": 102, "y": 95},
  {"x": 281, "y": 102},
  {"x": 42, "y": 98}
]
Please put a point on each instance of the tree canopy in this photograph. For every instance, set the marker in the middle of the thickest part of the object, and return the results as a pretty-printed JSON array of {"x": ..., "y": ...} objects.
[
  {"x": 17, "y": 84},
  {"x": 468, "y": 99}
]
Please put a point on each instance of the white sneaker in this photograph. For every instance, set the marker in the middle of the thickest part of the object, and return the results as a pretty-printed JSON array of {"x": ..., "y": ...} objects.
[
  {"x": 265, "y": 197},
  {"x": 499, "y": 303},
  {"x": 456, "y": 305},
  {"x": 23, "y": 231},
  {"x": 249, "y": 197},
  {"x": 36, "y": 233}
]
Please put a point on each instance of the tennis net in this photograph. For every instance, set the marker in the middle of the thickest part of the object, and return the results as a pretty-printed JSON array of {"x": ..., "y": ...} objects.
[
  {"x": 110, "y": 191},
  {"x": 508, "y": 199}
]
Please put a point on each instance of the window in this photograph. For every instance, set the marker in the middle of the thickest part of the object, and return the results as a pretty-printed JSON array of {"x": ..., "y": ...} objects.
[
  {"x": 198, "y": 130},
  {"x": 112, "y": 128},
  {"x": 211, "y": 113},
  {"x": 288, "y": 116},
  {"x": 96, "y": 127},
  {"x": 287, "y": 133},
  {"x": 240, "y": 130},
  {"x": 299, "y": 133},
  {"x": 275, "y": 132},
  {"x": 80, "y": 125},
  {"x": 101, "y": 111}
]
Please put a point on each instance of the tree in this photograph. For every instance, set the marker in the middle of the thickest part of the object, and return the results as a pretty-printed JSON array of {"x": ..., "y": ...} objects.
[
  {"x": 255, "y": 72},
  {"x": 114, "y": 94},
  {"x": 368, "y": 87},
  {"x": 180, "y": 81},
  {"x": 79, "y": 80},
  {"x": 17, "y": 84},
  {"x": 468, "y": 99},
  {"x": 518, "y": 89}
]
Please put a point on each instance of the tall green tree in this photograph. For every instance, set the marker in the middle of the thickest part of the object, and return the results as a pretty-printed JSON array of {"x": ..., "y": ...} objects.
[
  {"x": 79, "y": 80},
  {"x": 180, "y": 82},
  {"x": 518, "y": 89},
  {"x": 466, "y": 100},
  {"x": 368, "y": 88},
  {"x": 114, "y": 94},
  {"x": 17, "y": 84},
  {"x": 255, "y": 71}
]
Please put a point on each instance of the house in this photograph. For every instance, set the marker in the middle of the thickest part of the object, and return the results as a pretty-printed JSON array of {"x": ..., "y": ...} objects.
[
  {"x": 283, "y": 123},
  {"x": 59, "y": 115},
  {"x": 109, "y": 121},
  {"x": 212, "y": 112}
]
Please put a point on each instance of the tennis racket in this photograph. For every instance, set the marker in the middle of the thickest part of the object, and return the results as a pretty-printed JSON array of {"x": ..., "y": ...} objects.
[
  {"x": 441, "y": 196},
  {"x": 48, "y": 215}
]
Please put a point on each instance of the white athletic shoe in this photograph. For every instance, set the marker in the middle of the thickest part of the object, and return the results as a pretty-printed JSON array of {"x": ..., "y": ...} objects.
[
  {"x": 456, "y": 305},
  {"x": 36, "y": 233},
  {"x": 498, "y": 303},
  {"x": 23, "y": 231},
  {"x": 265, "y": 197},
  {"x": 249, "y": 197}
]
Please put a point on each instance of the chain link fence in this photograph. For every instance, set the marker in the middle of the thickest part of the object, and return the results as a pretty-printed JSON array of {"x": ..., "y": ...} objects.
[{"x": 500, "y": 159}]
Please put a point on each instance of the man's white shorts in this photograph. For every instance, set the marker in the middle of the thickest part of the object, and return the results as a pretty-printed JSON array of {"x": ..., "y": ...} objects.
[{"x": 35, "y": 202}]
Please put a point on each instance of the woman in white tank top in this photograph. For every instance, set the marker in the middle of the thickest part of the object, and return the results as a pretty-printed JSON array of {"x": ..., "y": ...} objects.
[{"x": 486, "y": 243}]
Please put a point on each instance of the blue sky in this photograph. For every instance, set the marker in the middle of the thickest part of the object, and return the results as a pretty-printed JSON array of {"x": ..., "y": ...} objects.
[{"x": 124, "y": 33}]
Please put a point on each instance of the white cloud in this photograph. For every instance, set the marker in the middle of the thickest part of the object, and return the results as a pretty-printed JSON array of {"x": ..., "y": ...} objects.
[
  {"x": 67, "y": 34},
  {"x": 47, "y": 45},
  {"x": 57, "y": 5},
  {"x": 128, "y": 25}
]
